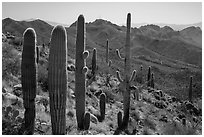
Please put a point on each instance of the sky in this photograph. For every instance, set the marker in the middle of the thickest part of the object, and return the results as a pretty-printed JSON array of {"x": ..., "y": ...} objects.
[{"x": 116, "y": 12}]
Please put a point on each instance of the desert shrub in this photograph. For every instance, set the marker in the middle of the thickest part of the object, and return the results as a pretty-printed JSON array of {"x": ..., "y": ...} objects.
[
  {"x": 11, "y": 121},
  {"x": 43, "y": 77},
  {"x": 10, "y": 61},
  {"x": 16, "y": 42}
]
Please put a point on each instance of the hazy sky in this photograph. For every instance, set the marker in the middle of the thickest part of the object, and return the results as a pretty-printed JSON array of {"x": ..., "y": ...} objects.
[{"x": 67, "y": 13}]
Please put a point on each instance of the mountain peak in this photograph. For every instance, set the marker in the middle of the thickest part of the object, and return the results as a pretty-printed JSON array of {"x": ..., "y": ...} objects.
[
  {"x": 100, "y": 22},
  {"x": 7, "y": 20},
  {"x": 167, "y": 29},
  {"x": 151, "y": 26}
]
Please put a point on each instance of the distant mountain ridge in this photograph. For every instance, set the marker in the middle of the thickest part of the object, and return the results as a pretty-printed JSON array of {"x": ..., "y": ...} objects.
[
  {"x": 176, "y": 27},
  {"x": 150, "y": 40}
]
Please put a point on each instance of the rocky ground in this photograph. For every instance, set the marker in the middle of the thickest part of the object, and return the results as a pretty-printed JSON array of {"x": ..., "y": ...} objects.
[{"x": 153, "y": 113}]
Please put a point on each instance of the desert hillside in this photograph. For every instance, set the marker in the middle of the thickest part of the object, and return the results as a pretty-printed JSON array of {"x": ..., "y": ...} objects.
[{"x": 164, "y": 109}]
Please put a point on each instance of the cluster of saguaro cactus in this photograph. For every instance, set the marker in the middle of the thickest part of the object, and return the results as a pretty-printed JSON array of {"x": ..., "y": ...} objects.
[
  {"x": 190, "y": 93},
  {"x": 57, "y": 79},
  {"x": 128, "y": 78},
  {"x": 94, "y": 65},
  {"x": 29, "y": 78},
  {"x": 83, "y": 119}
]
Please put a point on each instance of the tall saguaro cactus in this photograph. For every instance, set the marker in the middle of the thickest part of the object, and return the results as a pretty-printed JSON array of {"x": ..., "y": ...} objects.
[
  {"x": 80, "y": 74},
  {"x": 128, "y": 78},
  {"x": 57, "y": 79},
  {"x": 190, "y": 93},
  {"x": 29, "y": 78}
]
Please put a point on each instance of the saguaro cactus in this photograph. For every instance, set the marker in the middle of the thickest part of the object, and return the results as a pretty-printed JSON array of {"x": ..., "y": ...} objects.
[
  {"x": 149, "y": 77},
  {"x": 94, "y": 65},
  {"x": 102, "y": 106},
  {"x": 141, "y": 74},
  {"x": 190, "y": 93},
  {"x": 128, "y": 79},
  {"x": 107, "y": 54},
  {"x": 152, "y": 81},
  {"x": 108, "y": 64},
  {"x": 29, "y": 78},
  {"x": 80, "y": 74},
  {"x": 119, "y": 116},
  {"x": 57, "y": 79}
]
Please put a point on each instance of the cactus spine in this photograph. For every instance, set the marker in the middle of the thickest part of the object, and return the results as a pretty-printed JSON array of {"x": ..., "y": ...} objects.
[
  {"x": 149, "y": 77},
  {"x": 29, "y": 78},
  {"x": 94, "y": 66},
  {"x": 128, "y": 79},
  {"x": 57, "y": 79},
  {"x": 80, "y": 74},
  {"x": 102, "y": 105},
  {"x": 190, "y": 93}
]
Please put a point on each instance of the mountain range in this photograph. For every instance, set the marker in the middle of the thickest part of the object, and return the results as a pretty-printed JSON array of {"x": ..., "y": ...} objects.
[
  {"x": 149, "y": 40},
  {"x": 176, "y": 27}
]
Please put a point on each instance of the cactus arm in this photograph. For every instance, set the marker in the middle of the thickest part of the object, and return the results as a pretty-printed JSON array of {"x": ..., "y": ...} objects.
[
  {"x": 119, "y": 76},
  {"x": 119, "y": 55},
  {"x": 132, "y": 77},
  {"x": 71, "y": 68},
  {"x": 85, "y": 54},
  {"x": 87, "y": 117},
  {"x": 84, "y": 70}
]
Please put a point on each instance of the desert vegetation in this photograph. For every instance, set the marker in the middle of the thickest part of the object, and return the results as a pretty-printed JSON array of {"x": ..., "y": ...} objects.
[{"x": 56, "y": 87}]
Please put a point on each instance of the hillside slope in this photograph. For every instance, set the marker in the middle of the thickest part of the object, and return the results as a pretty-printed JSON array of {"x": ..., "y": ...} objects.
[{"x": 163, "y": 110}]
